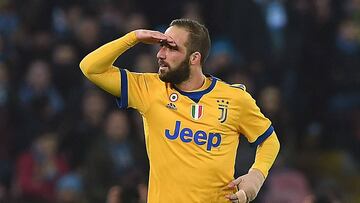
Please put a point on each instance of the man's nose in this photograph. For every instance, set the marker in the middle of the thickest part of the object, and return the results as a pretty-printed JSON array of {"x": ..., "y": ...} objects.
[{"x": 161, "y": 53}]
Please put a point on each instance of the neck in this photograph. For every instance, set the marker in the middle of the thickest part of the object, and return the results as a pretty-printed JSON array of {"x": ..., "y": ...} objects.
[{"x": 195, "y": 81}]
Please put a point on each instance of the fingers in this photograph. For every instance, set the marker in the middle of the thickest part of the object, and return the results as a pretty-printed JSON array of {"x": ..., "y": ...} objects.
[
  {"x": 235, "y": 182},
  {"x": 158, "y": 36},
  {"x": 238, "y": 197},
  {"x": 151, "y": 37},
  {"x": 168, "y": 40}
]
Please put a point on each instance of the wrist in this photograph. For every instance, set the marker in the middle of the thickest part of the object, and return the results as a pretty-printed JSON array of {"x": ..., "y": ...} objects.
[
  {"x": 131, "y": 39},
  {"x": 257, "y": 173}
]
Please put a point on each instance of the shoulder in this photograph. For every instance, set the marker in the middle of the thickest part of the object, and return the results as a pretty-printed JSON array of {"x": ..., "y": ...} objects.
[
  {"x": 239, "y": 86},
  {"x": 237, "y": 92},
  {"x": 232, "y": 88}
]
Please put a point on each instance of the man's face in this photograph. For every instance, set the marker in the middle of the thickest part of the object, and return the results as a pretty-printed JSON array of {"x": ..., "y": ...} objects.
[{"x": 174, "y": 61}]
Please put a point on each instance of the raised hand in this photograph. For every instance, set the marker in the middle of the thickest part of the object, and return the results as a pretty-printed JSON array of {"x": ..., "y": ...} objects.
[{"x": 153, "y": 37}]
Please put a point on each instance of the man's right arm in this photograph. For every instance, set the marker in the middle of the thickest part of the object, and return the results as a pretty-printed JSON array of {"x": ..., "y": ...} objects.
[{"x": 97, "y": 66}]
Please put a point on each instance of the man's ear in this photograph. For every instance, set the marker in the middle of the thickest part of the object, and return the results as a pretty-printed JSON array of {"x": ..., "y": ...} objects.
[{"x": 195, "y": 58}]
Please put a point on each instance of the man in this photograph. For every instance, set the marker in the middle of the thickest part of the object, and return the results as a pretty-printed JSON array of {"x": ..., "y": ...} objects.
[{"x": 192, "y": 122}]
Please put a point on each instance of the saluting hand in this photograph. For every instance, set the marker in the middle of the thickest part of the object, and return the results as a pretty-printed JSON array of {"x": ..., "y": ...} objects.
[{"x": 153, "y": 37}]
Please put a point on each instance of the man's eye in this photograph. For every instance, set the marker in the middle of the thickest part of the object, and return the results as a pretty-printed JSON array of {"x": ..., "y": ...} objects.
[
  {"x": 172, "y": 47},
  {"x": 164, "y": 44}
]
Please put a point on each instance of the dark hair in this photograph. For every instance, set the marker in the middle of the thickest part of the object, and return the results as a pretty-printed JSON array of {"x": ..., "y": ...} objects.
[{"x": 199, "y": 39}]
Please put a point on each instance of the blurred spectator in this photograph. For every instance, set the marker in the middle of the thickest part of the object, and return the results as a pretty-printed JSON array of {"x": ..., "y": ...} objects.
[
  {"x": 110, "y": 159},
  {"x": 112, "y": 20},
  {"x": 7, "y": 132},
  {"x": 87, "y": 34},
  {"x": 276, "y": 20},
  {"x": 145, "y": 63},
  {"x": 38, "y": 169},
  {"x": 40, "y": 102},
  {"x": 4, "y": 86},
  {"x": 70, "y": 189},
  {"x": 64, "y": 59},
  {"x": 115, "y": 195},
  {"x": 85, "y": 129},
  {"x": 344, "y": 76},
  {"x": 2, "y": 49},
  {"x": 8, "y": 19},
  {"x": 142, "y": 189},
  {"x": 5, "y": 180},
  {"x": 223, "y": 58},
  {"x": 271, "y": 102},
  {"x": 135, "y": 21},
  {"x": 192, "y": 10},
  {"x": 73, "y": 18},
  {"x": 327, "y": 192},
  {"x": 38, "y": 84},
  {"x": 287, "y": 186}
]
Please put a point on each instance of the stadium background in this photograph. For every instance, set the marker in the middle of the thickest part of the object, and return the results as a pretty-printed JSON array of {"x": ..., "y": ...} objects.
[{"x": 63, "y": 140}]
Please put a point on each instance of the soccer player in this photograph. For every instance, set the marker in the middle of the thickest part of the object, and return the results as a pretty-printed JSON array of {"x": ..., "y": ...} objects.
[{"x": 192, "y": 121}]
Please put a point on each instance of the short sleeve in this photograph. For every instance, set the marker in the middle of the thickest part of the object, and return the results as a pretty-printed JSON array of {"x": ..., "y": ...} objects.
[
  {"x": 135, "y": 90},
  {"x": 253, "y": 124}
]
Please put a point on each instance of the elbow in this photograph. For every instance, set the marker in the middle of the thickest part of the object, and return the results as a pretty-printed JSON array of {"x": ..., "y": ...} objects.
[
  {"x": 273, "y": 142},
  {"x": 85, "y": 66},
  {"x": 276, "y": 144}
]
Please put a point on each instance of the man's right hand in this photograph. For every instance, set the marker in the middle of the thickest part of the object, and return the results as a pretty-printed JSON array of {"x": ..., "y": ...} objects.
[{"x": 153, "y": 37}]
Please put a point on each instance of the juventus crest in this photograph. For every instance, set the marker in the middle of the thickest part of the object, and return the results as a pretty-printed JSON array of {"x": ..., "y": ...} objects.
[{"x": 223, "y": 107}]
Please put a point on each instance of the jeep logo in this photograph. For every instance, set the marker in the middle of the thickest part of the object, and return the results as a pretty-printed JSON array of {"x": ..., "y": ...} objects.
[{"x": 199, "y": 137}]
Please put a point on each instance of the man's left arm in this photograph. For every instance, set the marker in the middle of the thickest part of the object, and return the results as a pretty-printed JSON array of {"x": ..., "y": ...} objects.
[
  {"x": 249, "y": 184},
  {"x": 261, "y": 134}
]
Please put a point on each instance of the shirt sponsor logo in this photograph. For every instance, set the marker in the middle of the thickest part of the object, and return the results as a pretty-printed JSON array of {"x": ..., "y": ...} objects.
[{"x": 199, "y": 137}]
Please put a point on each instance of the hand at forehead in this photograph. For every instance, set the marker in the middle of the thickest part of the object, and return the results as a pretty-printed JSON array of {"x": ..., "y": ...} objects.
[{"x": 169, "y": 41}]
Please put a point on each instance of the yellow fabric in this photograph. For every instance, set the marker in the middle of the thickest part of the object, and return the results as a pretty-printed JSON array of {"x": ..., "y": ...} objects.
[
  {"x": 266, "y": 154},
  {"x": 191, "y": 146},
  {"x": 182, "y": 170},
  {"x": 97, "y": 66}
]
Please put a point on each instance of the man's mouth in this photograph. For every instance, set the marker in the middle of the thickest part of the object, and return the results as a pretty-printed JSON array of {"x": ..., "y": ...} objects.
[
  {"x": 163, "y": 66},
  {"x": 163, "y": 69}
]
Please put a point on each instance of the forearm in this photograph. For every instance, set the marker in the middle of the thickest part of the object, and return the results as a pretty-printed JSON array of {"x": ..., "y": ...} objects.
[
  {"x": 266, "y": 154},
  {"x": 97, "y": 66},
  {"x": 250, "y": 183},
  {"x": 101, "y": 60}
]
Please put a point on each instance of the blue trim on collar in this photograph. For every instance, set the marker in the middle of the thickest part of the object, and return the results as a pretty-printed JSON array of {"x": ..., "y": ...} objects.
[
  {"x": 122, "y": 101},
  {"x": 263, "y": 137},
  {"x": 196, "y": 96}
]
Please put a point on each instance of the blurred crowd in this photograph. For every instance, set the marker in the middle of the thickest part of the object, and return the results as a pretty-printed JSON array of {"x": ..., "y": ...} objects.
[{"x": 63, "y": 140}]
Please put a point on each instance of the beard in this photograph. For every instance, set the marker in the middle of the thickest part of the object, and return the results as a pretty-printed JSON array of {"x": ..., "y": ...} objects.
[{"x": 176, "y": 75}]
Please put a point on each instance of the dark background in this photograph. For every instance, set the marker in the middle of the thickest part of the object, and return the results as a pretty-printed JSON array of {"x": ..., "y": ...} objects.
[{"x": 63, "y": 140}]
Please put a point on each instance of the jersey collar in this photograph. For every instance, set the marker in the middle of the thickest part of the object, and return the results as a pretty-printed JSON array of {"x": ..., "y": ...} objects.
[{"x": 197, "y": 95}]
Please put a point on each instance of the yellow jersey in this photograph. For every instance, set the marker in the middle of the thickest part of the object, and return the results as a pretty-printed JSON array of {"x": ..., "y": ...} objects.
[{"x": 192, "y": 137}]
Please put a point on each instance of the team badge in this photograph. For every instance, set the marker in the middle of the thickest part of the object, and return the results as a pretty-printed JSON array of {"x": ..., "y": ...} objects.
[
  {"x": 223, "y": 107},
  {"x": 173, "y": 97},
  {"x": 197, "y": 111}
]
